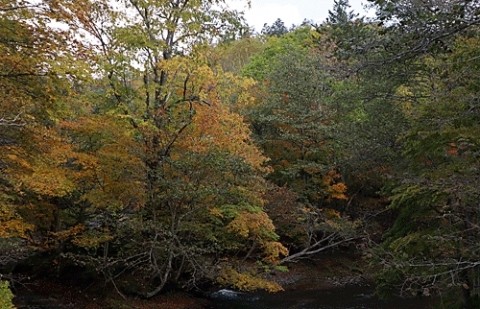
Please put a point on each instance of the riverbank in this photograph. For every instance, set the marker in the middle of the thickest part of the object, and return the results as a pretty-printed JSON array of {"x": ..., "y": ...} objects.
[
  {"x": 325, "y": 272},
  {"x": 329, "y": 277}
]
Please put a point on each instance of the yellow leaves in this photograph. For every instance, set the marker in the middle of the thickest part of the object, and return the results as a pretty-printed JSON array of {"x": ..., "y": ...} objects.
[
  {"x": 247, "y": 224},
  {"x": 216, "y": 212},
  {"x": 69, "y": 233},
  {"x": 331, "y": 214},
  {"x": 112, "y": 174},
  {"x": 11, "y": 225},
  {"x": 91, "y": 240},
  {"x": 6, "y": 296},
  {"x": 405, "y": 102},
  {"x": 259, "y": 227},
  {"x": 48, "y": 181},
  {"x": 81, "y": 237},
  {"x": 14, "y": 228},
  {"x": 247, "y": 282},
  {"x": 237, "y": 92},
  {"x": 273, "y": 251}
]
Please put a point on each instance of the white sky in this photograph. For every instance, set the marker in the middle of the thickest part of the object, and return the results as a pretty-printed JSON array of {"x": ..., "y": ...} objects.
[{"x": 290, "y": 11}]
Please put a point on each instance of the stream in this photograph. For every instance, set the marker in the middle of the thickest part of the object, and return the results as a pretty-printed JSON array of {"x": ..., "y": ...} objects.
[{"x": 347, "y": 297}]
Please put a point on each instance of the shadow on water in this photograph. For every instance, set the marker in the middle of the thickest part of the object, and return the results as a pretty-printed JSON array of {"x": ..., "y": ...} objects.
[{"x": 349, "y": 297}]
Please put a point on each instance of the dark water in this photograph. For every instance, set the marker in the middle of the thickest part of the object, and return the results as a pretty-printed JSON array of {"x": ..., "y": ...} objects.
[{"x": 350, "y": 297}]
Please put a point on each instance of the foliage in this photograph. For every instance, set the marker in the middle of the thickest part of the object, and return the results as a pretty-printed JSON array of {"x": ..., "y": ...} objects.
[
  {"x": 262, "y": 64},
  {"x": 247, "y": 282},
  {"x": 276, "y": 29},
  {"x": 233, "y": 56},
  {"x": 293, "y": 124},
  {"x": 293, "y": 121},
  {"x": 143, "y": 168},
  {"x": 6, "y": 296},
  {"x": 340, "y": 14},
  {"x": 159, "y": 143},
  {"x": 441, "y": 189}
]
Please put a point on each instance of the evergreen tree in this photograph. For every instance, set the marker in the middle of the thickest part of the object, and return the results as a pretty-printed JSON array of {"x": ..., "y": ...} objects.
[{"x": 278, "y": 28}]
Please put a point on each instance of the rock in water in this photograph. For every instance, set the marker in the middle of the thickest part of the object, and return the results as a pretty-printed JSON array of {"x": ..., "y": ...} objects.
[{"x": 227, "y": 294}]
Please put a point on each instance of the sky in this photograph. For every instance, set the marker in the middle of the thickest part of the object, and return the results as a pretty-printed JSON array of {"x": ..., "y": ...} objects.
[{"x": 290, "y": 11}]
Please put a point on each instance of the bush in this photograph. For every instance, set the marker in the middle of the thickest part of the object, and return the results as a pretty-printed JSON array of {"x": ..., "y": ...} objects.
[{"x": 6, "y": 296}]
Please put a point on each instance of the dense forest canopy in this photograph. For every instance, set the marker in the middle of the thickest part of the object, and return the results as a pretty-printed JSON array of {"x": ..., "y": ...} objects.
[{"x": 152, "y": 144}]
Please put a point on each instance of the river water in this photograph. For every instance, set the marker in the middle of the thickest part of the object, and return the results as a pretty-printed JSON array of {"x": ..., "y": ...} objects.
[{"x": 349, "y": 297}]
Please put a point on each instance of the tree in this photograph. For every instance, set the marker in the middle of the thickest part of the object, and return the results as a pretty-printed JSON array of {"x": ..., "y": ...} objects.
[
  {"x": 276, "y": 29},
  {"x": 129, "y": 170},
  {"x": 438, "y": 187},
  {"x": 425, "y": 25},
  {"x": 235, "y": 55},
  {"x": 207, "y": 203},
  {"x": 406, "y": 105},
  {"x": 168, "y": 117},
  {"x": 292, "y": 121},
  {"x": 340, "y": 14},
  {"x": 31, "y": 148},
  {"x": 262, "y": 64}
]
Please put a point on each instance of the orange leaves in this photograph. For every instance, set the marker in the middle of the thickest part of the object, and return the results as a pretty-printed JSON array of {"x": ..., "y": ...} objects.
[
  {"x": 334, "y": 188},
  {"x": 39, "y": 165},
  {"x": 338, "y": 190},
  {"x": 201, "y": 93},
  {"x": 215, "y": 127},
  {"x": 452, "y": 149},
  {"x": 14, "y": 159}
]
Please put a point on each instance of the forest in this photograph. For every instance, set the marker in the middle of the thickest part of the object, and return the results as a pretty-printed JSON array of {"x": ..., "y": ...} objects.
[{"x": 151, "y": 145}]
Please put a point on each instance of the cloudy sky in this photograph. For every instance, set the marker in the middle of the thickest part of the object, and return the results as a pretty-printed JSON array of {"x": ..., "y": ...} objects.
[{"x": 290, "y": 11}]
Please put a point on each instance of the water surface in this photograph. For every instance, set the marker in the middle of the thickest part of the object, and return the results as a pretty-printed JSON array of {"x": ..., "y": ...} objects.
[{"x": 349, "y": 297}]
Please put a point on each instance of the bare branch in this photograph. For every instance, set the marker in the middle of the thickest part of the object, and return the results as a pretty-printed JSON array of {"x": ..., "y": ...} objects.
[{"x": 12, "y": 122}]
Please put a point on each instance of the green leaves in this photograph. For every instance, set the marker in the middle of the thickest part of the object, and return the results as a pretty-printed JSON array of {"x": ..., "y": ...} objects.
[
  {"x": 276, "y": 48},
  {"x": 6, "y": 296}
]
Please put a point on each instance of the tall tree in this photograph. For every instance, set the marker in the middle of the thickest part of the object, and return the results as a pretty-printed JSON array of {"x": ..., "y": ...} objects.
[
  {"x": 161, "y": 86},
  {"x": 276, "y": 29},
  {"x": 340, "y": 14}
]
